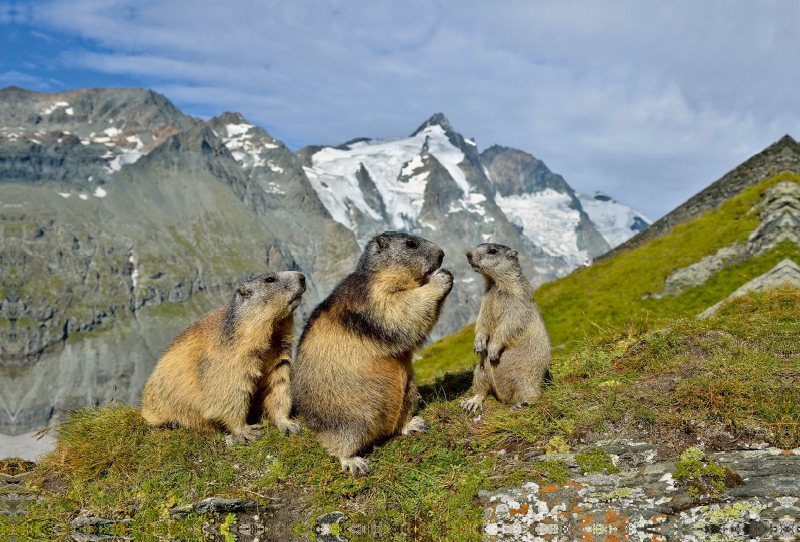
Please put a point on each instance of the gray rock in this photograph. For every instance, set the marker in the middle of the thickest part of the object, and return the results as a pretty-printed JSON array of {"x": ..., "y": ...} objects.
[{"x": 644, "y": 501}]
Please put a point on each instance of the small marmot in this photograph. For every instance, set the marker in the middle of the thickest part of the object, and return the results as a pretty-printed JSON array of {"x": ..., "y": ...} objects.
[
  {"x": 510, "y": 336},
  {"x": 232, "y": 362},
  {"x": 353, "y": 381}
]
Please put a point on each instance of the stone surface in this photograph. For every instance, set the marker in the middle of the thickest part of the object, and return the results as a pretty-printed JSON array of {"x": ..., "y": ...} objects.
[{"x": 646, "y": 503}]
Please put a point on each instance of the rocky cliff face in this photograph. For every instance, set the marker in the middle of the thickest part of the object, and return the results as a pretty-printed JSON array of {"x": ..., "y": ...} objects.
[{"x": 122, "y": 220}]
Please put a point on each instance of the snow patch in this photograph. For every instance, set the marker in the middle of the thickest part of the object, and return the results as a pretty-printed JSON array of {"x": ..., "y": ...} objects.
[
  {"x": 49, "y": 110},
  {"x": 237, "y": 129},
  {"x": 273, "y": 188},
  {"x": 64, "y": 195},
  {"x": 123, "y": 159},
  {"x": 547, "y": 220},
  {"x": 112, "y": 132},
  {"x": 69, "y": 111},
  {"x": 616, "y": 222},
  {"x": 136, "y": 141},
  {"x": 100, "y": 193},
  {"x": 134, "y": 272},
  {"x": 273, "y": 167},
  {"x": 84, "y": 197}
]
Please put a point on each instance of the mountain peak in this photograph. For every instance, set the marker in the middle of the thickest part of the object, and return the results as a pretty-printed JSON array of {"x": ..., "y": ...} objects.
[
  {"x": 438, "y": 119},
  {"x": 229, "y": 118}
]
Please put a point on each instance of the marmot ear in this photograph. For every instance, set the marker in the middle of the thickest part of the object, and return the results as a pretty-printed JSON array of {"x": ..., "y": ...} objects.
[
  {"x": 244, "y": 292},
  {"x": 383, "y": 242},
  {"x": 513, "y": 254}
]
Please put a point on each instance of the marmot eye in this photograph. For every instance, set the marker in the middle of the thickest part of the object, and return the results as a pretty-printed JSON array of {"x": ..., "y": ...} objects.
[
  {"x": 492, "y": 251},
  {"x": 269, "y": 280},
  {"x": 411, "y": 243}
]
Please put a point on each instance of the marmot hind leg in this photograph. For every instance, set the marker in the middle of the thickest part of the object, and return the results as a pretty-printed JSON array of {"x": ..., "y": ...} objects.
[
  {"x": 276, "y": 399},
  {"x": 344, "y": 446},
  {"x": 481, "y": 387},
  {"x": 408, "y": 422}
]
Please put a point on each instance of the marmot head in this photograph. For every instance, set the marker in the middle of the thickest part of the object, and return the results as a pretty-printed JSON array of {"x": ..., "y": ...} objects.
[
  {"x": 395, "y": 250},
  {"x": 272, "y": 296},
  {"x": 494, "y": 261}
]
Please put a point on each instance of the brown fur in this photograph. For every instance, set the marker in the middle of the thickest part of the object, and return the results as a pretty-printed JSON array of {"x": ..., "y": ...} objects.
[
  {"x": 353, "y": 381},
  {"x": 234, "y": 360},
  {"x": 510, "y": 335}
]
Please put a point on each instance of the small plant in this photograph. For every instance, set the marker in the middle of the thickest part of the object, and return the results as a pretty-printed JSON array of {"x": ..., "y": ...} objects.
[
  {"x": 703, "y": 476},
  {"x": 597, "y": 460},
  {"x": 557, "y": 445},
  {"x": 225, "y": 528}
]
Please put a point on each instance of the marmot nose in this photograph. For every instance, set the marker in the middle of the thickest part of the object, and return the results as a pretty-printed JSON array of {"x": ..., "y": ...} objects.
[
  {"x": 469, "y": 255},
  {"x": 302, "y": 279}
]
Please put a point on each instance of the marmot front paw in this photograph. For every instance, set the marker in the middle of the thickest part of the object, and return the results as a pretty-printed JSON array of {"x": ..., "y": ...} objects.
[
  {"x": 444, "y": 279},
  {"x": 479, "y": 346}
]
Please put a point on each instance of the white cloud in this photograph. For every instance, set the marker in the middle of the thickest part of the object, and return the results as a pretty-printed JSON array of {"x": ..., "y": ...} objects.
[{"x": 647, "y": 101}]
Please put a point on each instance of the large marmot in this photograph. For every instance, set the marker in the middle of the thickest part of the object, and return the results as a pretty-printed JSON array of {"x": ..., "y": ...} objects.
[
  {"x": 353, "y": 382},
  {"x": 510, "y": 336},
  {"x": 232, "y": 362}
]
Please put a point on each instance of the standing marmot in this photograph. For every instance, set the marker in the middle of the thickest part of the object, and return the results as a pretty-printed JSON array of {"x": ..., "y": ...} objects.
[
  {"x": 234, "y": 360},
  {"x": 353, "y": 382},
  {"x": 509, "y": 335}
]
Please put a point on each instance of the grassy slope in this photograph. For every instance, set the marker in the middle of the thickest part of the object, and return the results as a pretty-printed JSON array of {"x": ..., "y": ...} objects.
[
  {"x": 708, "y": 380},
  {"x": 610, "y": 293}
]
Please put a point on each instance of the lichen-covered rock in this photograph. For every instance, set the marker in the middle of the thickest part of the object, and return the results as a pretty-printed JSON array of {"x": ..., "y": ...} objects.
[{"x": 647, "y": 503}]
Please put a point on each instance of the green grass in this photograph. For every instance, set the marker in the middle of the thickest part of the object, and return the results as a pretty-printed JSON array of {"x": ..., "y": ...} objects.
[{"x": 734, "y": 374}]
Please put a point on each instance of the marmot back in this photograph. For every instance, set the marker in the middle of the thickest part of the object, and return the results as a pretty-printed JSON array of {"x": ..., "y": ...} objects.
[
  {"x": 353, "y": 382},
  {"x": 213, "y": 372},
  {"x": 510, "y": 335}
]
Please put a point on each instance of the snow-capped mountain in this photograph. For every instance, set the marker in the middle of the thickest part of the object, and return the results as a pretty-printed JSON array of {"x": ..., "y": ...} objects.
[
  {"x": 373, "y": 184},
  {"x": 615, "y": 221}
]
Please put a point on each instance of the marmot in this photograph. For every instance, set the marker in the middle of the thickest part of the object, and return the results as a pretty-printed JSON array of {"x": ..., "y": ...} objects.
[
  {"x": 353, "y": 381},
  {"x": 510, "y": 336},
  {"x": 232, "y": 362}
]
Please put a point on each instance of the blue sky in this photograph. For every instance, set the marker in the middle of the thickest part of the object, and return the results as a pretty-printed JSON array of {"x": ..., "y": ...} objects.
[{"x": 646, "y": 101}]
